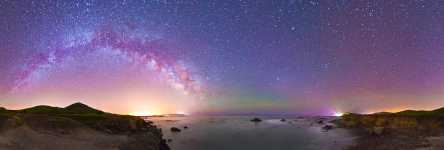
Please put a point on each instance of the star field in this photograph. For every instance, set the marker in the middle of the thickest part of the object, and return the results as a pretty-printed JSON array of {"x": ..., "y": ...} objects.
[{"x": 229, "y": 57}]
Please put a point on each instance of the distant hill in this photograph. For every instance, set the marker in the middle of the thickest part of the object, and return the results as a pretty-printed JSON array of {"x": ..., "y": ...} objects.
[
  {"x": 78, "y": 112},
  {"x": 43, "y": 109},
  {"x": 439, "y": 111},
  {"x": 414, "y": 112},
  {"x": 79, "y": 108},
  {"x": 76, "y": 108},
  {"x": 382, "y": 113},
  {"x": 436, "y": 112}
]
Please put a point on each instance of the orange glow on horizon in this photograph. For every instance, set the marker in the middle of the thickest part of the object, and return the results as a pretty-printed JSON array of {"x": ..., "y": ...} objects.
[
  {"x": 142, "y": 113},
  {"x": 150, "y": 113},
  {"x": 390, "y": 110}
]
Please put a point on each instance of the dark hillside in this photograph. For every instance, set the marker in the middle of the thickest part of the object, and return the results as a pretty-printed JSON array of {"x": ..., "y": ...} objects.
[{"x": 81, "y": 121}]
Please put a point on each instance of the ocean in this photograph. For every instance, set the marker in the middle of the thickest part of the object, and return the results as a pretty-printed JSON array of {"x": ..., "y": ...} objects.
[{"x": 239, "y": 133}]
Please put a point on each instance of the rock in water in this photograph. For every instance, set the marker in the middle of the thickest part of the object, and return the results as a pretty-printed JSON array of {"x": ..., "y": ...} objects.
[
  {"x": 185, "y": 127},
  {"x": 174, "y": 129},
  {"x": 256, "y": 120},
  {"x": 283, "y": 120},
  {"x": 327, "y": 127}
]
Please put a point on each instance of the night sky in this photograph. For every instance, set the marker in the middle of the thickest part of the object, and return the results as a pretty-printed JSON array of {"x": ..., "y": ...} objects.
[{"x": 315, "y": 57}]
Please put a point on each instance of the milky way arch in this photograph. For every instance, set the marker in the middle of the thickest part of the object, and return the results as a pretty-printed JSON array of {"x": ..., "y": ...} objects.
[{"x": 128, "y": 42}]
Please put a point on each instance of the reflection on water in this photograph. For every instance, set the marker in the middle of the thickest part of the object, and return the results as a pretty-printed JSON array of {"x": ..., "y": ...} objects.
[{"x": 238, "y": 133}]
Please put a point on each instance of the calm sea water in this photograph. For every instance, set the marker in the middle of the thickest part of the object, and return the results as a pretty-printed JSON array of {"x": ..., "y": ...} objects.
[{"x": 238, "y": 133}]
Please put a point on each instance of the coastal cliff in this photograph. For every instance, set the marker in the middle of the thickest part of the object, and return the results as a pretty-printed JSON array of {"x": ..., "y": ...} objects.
[
  {"x": 406, "y": 130},
  {"x": 77, "y": 126}
]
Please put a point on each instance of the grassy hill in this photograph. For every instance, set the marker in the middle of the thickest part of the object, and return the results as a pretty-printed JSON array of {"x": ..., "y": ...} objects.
[
  {"x": 436, "y": 112},
  {"x": 408, "y": 121},
  {"x": 76, "y": 112},
  {"x": 79, "y": 108},
  {"x": 42, "y": 109},
  {"x": 76, "y": 108},
  {"x": 62, "y": 121},
  {"x": 405, "y": 130}
]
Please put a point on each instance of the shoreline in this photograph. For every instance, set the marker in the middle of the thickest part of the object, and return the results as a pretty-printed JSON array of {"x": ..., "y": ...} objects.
[
  {"x": 215, "y": 131},
  {"x": 74, "y": 127},
  {"x": 422, "y": 130},
  {"x": 364, "y": 141}
]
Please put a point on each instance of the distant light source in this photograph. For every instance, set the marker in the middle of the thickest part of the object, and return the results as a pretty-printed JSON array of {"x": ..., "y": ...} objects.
[
  {"x": 181, "y": 113},
  {"x": 338, "y": 114},
  {"x": 142, "y": 113}
]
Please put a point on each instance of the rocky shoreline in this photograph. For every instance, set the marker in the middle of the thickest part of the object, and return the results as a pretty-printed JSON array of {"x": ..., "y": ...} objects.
[
  {"x": 77, "y": 126},
  {"x": 407, "y": 130}
]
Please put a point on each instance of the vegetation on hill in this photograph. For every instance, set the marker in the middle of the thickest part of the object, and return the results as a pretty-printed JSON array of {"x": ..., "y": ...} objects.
[
  {"x": 81, "y": 113},
  {"x": 42, "y": 109},
  {"x": 80, "y": 116},
  {"x": 76, "y": 108},
  {"x": 408, "y": 121},
  {"x": 405, "y": 130},
  {"x": 79, "y": 108}
]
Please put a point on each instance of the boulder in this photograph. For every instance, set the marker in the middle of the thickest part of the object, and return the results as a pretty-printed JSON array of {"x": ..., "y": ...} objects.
[
  {"x": 256, "y": 120},
  {"x": 327, "y": 127},
  {"x": 174, "y": 129},
  {"x": 378, "y": 130},
  {"x": 283, "y": 120}
]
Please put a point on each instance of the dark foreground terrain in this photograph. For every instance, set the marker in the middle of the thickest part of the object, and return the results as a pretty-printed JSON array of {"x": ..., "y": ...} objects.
[
  {"x": 406, "y": 130},
  {"x": 75, "y": 127}
]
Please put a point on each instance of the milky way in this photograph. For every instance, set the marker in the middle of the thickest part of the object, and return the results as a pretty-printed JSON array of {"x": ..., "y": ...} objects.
[
  {"x": 223, "y": 57},
  {"x": 140, "y": 50}
]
